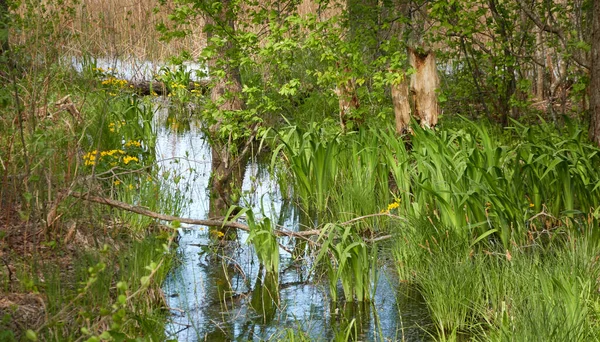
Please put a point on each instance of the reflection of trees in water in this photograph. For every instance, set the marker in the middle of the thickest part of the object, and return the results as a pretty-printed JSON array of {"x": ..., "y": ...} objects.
[{"x": 179, "y": 119}]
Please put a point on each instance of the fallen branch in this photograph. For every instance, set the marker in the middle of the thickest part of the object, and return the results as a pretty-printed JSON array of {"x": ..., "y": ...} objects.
[
  {"x": 160, "y": 88},
  {"x": 215, "y": 223}
]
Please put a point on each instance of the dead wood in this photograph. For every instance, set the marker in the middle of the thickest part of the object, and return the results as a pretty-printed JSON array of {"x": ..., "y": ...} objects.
[
  {"x": 217, "y": 223},
  {"x": 160, "y": 88}
]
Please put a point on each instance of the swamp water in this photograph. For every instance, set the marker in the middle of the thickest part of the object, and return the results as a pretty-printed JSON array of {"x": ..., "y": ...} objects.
[{"x": 210, "y": 294}]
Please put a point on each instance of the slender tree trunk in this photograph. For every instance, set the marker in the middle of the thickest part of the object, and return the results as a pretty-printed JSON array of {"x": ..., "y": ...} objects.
[
  {"x": 594, "y": 89},
  {"x": 228, "y": 157},
  {"x": 540, "y": 69}
]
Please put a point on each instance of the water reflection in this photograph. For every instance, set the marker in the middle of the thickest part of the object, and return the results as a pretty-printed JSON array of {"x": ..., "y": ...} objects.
[{"x": 227, "y": 296}]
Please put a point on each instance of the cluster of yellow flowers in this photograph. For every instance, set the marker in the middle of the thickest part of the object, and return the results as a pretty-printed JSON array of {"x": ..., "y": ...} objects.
[
  {"x": 177, "y": 85},
  {"x": 99, "y": 70},
  {"x": 111, "y": 81},
  {"x": 217, "y": 234},
  {"x": 133, "y": 143},
  {"x": 128, "y": 159},
  {"x": 89, "y": 158},
  {"x": 113, "y": 127},
  {"x": 391, "y": 206}
]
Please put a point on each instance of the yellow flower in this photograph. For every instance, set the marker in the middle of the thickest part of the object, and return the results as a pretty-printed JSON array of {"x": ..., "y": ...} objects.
[
  {"x": 393, "y": 206},
  {"x": 217, "y": 233},
  {"x": 128, "y": 159},
  {"x": 130, "y": 187},
  {"x": 117, "y": 182},
  {"x": 133, "y": 143},
  {"x": 531, "y": 205}
]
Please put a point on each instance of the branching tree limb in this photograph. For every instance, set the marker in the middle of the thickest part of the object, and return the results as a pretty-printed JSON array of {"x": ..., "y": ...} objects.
[{"x": 217, "y": 223}]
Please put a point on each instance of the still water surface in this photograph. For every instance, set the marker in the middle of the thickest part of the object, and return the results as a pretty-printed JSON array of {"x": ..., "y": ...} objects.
[{"x": 192, "y": 288}]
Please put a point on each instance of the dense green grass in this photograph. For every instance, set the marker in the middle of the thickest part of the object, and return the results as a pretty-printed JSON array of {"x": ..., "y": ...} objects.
[{"x": 500, "y": 227}]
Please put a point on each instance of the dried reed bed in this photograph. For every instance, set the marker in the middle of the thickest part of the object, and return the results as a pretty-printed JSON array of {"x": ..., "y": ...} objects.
[
  {"x": 128, "y": 28},
  {"x": 124, "y": 28},
  {"x": 107, "y": 28}
]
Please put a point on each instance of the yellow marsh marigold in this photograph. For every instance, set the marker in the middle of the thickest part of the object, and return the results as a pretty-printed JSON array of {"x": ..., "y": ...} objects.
[
  {"x": 217, "y": 233},
  {"x": 133, "y": 143},
  {"x": 393, "y": 206},
  {"x": 128, "y": 159},
  {"x": 111, "y": 81}
]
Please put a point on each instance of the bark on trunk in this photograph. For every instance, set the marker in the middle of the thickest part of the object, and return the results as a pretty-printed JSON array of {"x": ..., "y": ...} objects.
[
  {"x": 348, "y": 101},
  {"x": 401, "y": 106},
  {"x": 424, "y": 83},
  {"x": 540, "y": 69},
  {"x": 226, "y": 180},
  {"x": 594, "y": 89}
]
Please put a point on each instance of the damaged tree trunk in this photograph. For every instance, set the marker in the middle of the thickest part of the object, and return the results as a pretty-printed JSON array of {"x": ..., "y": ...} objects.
[{"x": 424, "y": 82}]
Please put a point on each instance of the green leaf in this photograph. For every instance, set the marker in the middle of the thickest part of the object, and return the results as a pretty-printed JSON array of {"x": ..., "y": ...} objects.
[{"x": 31, "y": 335}]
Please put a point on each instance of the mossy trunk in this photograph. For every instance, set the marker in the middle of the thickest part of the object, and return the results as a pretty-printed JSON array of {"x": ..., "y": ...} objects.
[{"x": 227, "y": 175}]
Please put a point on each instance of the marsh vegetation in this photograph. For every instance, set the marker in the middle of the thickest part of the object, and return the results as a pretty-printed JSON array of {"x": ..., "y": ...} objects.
[{"x": 299, "y": 170}]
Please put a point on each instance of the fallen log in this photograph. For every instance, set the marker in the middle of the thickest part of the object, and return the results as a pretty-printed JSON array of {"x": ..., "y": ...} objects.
[{"x": 160, "y": 88}]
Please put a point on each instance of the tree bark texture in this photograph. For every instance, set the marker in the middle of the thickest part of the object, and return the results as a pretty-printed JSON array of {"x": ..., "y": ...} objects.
[
  {"x": 424, "y": 83},
  {"x": 594, "y": 87},
  {"x": 401, "y": 104}
]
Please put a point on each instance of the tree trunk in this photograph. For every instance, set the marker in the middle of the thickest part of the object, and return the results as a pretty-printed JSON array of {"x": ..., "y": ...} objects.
[
  {"x": 348, "y": 101},
  {"x": 540, "y": 69},
  {"x": 226, "y": 180},
  {"x": 401, "y": 106},
  {"x": 594, "y": 132},
  {"x": 228, "y": 157},
  {"x": 424, "y": 83}
]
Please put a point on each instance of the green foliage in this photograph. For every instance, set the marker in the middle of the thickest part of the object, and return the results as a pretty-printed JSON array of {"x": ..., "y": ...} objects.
[
  {"x": 264, "y": 241},
  {"x": 462, "y": 177},
  {"x": 350, "y": 262}
]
